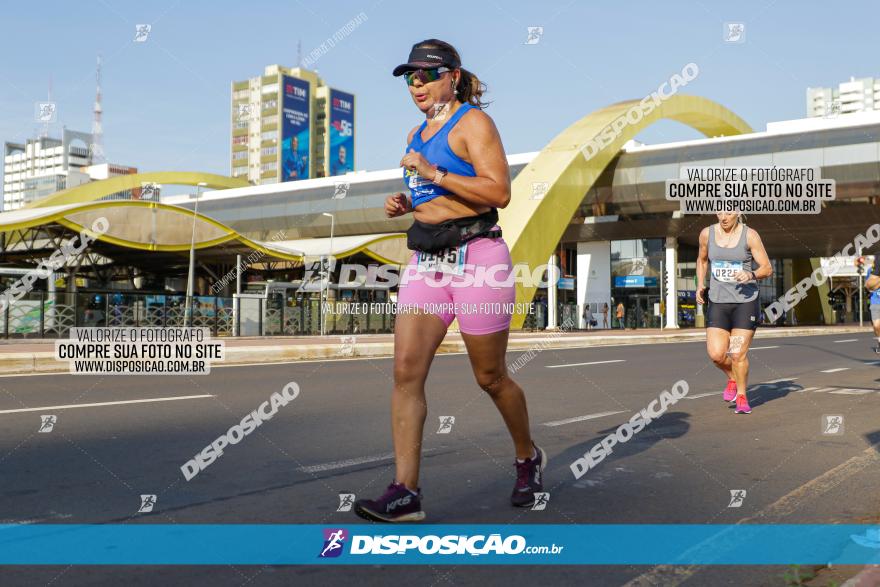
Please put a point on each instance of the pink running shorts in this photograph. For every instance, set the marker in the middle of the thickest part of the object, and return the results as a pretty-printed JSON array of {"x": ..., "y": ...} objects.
[{"x": 481, "y": 308}]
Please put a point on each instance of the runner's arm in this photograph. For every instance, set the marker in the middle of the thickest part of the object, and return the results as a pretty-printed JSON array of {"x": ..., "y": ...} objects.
[
  {"x": 759, "y": 254},
  {"x": 702, "y": 263},
  {"x": 872, "y": 282},
  {"x": 491, "y": 185}
]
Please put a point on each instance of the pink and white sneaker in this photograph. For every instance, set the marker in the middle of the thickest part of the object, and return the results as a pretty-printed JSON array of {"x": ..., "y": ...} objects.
[
  {"x": 730, "y": 391},
  {"x": 742, "y": 405}
]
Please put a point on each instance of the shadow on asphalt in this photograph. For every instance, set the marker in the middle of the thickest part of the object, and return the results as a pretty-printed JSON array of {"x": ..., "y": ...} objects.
[
  {"x": 765, "y": 393},
  {"x": 873, "y": 439},
  {"x": 670, "y": 425},
  {"x": 828, "y": 351}
]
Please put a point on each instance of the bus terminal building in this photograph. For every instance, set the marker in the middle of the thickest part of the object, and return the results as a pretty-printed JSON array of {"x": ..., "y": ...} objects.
[{"x": 600, "y": 215}]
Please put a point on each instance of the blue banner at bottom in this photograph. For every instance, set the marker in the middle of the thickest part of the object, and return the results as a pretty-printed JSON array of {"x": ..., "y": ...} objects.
[{"x": 530, "y": 544}]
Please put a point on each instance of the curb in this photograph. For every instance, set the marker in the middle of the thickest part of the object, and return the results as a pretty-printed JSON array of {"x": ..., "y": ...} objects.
[{"x": 44, "y": 362}]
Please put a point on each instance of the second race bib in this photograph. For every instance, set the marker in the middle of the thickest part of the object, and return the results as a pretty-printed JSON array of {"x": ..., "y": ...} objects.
[{"x": 726, "y": 270}]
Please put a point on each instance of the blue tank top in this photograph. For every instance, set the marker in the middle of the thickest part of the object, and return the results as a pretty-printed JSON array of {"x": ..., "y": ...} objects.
[{"x": 436, "y": 151}]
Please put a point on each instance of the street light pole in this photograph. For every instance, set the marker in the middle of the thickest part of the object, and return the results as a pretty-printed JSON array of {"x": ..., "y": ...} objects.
[
  {"x": 187, "y": 312},
  {"x": 323, "y": 275}
]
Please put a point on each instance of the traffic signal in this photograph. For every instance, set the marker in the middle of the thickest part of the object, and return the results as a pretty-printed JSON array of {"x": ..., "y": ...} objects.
[{"x": 667, "y": 282}]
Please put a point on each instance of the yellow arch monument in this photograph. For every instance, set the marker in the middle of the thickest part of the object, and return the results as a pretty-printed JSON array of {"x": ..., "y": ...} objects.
[
  {"x": 89, "y": 192},
  {"x": 533, "y": 227}
]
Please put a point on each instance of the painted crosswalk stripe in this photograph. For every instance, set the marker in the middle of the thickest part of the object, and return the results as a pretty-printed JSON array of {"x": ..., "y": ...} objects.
[
  {"x": 581, "y": 418},
  {"x": 848, "y": 340},
  {"x": 761, "y": 348},
  {"x": 806, "y": 389},
  {"x": 835, "y": 370},
  {"x": 779, "y": 380},
  {"x": 823, "y": 389}
]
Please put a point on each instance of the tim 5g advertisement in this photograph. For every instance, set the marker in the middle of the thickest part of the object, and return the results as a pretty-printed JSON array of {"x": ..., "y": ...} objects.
[
  {"x": 341, "y": 132},
  {"x": 295, "y": 144}
]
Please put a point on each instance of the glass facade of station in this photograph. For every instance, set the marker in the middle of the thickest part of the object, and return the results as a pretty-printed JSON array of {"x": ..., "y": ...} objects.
[{"x": 635, "y": 281}]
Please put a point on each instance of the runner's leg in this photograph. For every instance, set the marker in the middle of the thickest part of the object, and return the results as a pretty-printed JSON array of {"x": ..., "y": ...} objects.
[
  {"x": 487, "y": 355},
  {"x": 717, "y": 344},
  {"x": 876, "y": 324},
  {"x": 416, "y": 338},
  {"x": 739, "y": 357}
]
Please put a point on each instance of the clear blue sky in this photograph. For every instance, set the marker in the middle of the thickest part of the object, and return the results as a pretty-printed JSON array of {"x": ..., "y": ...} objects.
[{"x": 166, "y": 101}]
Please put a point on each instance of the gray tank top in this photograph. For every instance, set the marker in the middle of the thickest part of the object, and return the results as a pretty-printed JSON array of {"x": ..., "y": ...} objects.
[{"x": 724, "y": 264}]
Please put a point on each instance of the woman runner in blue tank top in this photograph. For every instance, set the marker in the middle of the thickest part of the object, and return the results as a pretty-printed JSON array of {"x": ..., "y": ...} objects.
[
  {"x": 454, "y": 168},
  {"x": 735, "y": 258}
]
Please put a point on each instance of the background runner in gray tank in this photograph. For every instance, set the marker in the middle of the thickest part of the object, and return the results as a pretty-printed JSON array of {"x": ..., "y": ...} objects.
[{"x": 725, "y": 262}]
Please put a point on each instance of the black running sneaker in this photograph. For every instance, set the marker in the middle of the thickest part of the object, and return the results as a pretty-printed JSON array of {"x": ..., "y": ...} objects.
[
  {"x": 529, "y": 479},
  {"x": 397, "y": 504}
]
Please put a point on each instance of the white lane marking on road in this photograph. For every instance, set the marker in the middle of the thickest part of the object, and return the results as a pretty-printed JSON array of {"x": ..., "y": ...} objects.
[
  {"x": 99, "y": 404},
  {"x": 699, "y": 395},
  {"x": 390, "y": 357},
  {"x": 823, "y": 389},
  {"x": 581, "y": 418},
  {"x": 353, "y": 462},
  {"x": 49, "y": 518},
  {"x": 674, "y": 575},
  {"x": 591, "y": 363},
  {"x": 779, "y": 380},
  {"x": 761, "y": 348},
  {"x": 853, "y": 391},
  {"x": 806, "y": 389},
  {"x": 848, "y": 340},
  {"x": 835, "y": 370}
]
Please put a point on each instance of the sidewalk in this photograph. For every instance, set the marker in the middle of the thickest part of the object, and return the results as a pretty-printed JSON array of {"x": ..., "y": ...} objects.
[{"x": 38, "y": 355}]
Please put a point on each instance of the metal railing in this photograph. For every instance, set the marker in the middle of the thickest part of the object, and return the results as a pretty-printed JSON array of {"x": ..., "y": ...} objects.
[{"x": 42, "y": 314}]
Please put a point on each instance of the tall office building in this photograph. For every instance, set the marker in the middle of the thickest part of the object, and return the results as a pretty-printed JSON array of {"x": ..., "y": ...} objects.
[
  {"x": 40, "y": 167},
  {"x": 288, "y": 125},
  {"x": 856, "y": 95}
]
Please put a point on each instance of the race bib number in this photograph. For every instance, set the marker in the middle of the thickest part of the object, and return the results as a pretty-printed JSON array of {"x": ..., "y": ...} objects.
[
  {"x": 726, "y": 270},
  {"x": 449, "y": 260},
  {"x": 416, "y": 180}
]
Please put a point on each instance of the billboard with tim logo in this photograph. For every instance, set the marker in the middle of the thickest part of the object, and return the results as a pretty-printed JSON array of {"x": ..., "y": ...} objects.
[
  {"x": 295, "y": 143},
  {"x": 341, "y": 156}
]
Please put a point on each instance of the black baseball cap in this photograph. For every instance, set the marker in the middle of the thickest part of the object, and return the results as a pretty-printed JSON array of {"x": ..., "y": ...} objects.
[{"x": 427, "y": 58}]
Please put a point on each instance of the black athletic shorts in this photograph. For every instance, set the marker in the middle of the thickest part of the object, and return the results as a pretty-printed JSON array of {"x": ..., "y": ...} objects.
[{"x": 743, "y": 315}]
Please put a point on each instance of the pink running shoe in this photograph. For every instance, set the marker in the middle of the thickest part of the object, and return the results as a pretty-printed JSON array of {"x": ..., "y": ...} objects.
[
  {"x": 742, "y": 405},
  {"x": 730, "y": 391}
]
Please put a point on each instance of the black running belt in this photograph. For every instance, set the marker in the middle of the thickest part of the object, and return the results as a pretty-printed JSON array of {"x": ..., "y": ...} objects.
[{"x": 485, "y": 234}]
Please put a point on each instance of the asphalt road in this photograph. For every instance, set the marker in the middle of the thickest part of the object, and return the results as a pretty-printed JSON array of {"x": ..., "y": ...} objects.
[{"x": 335, "y": 438}]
